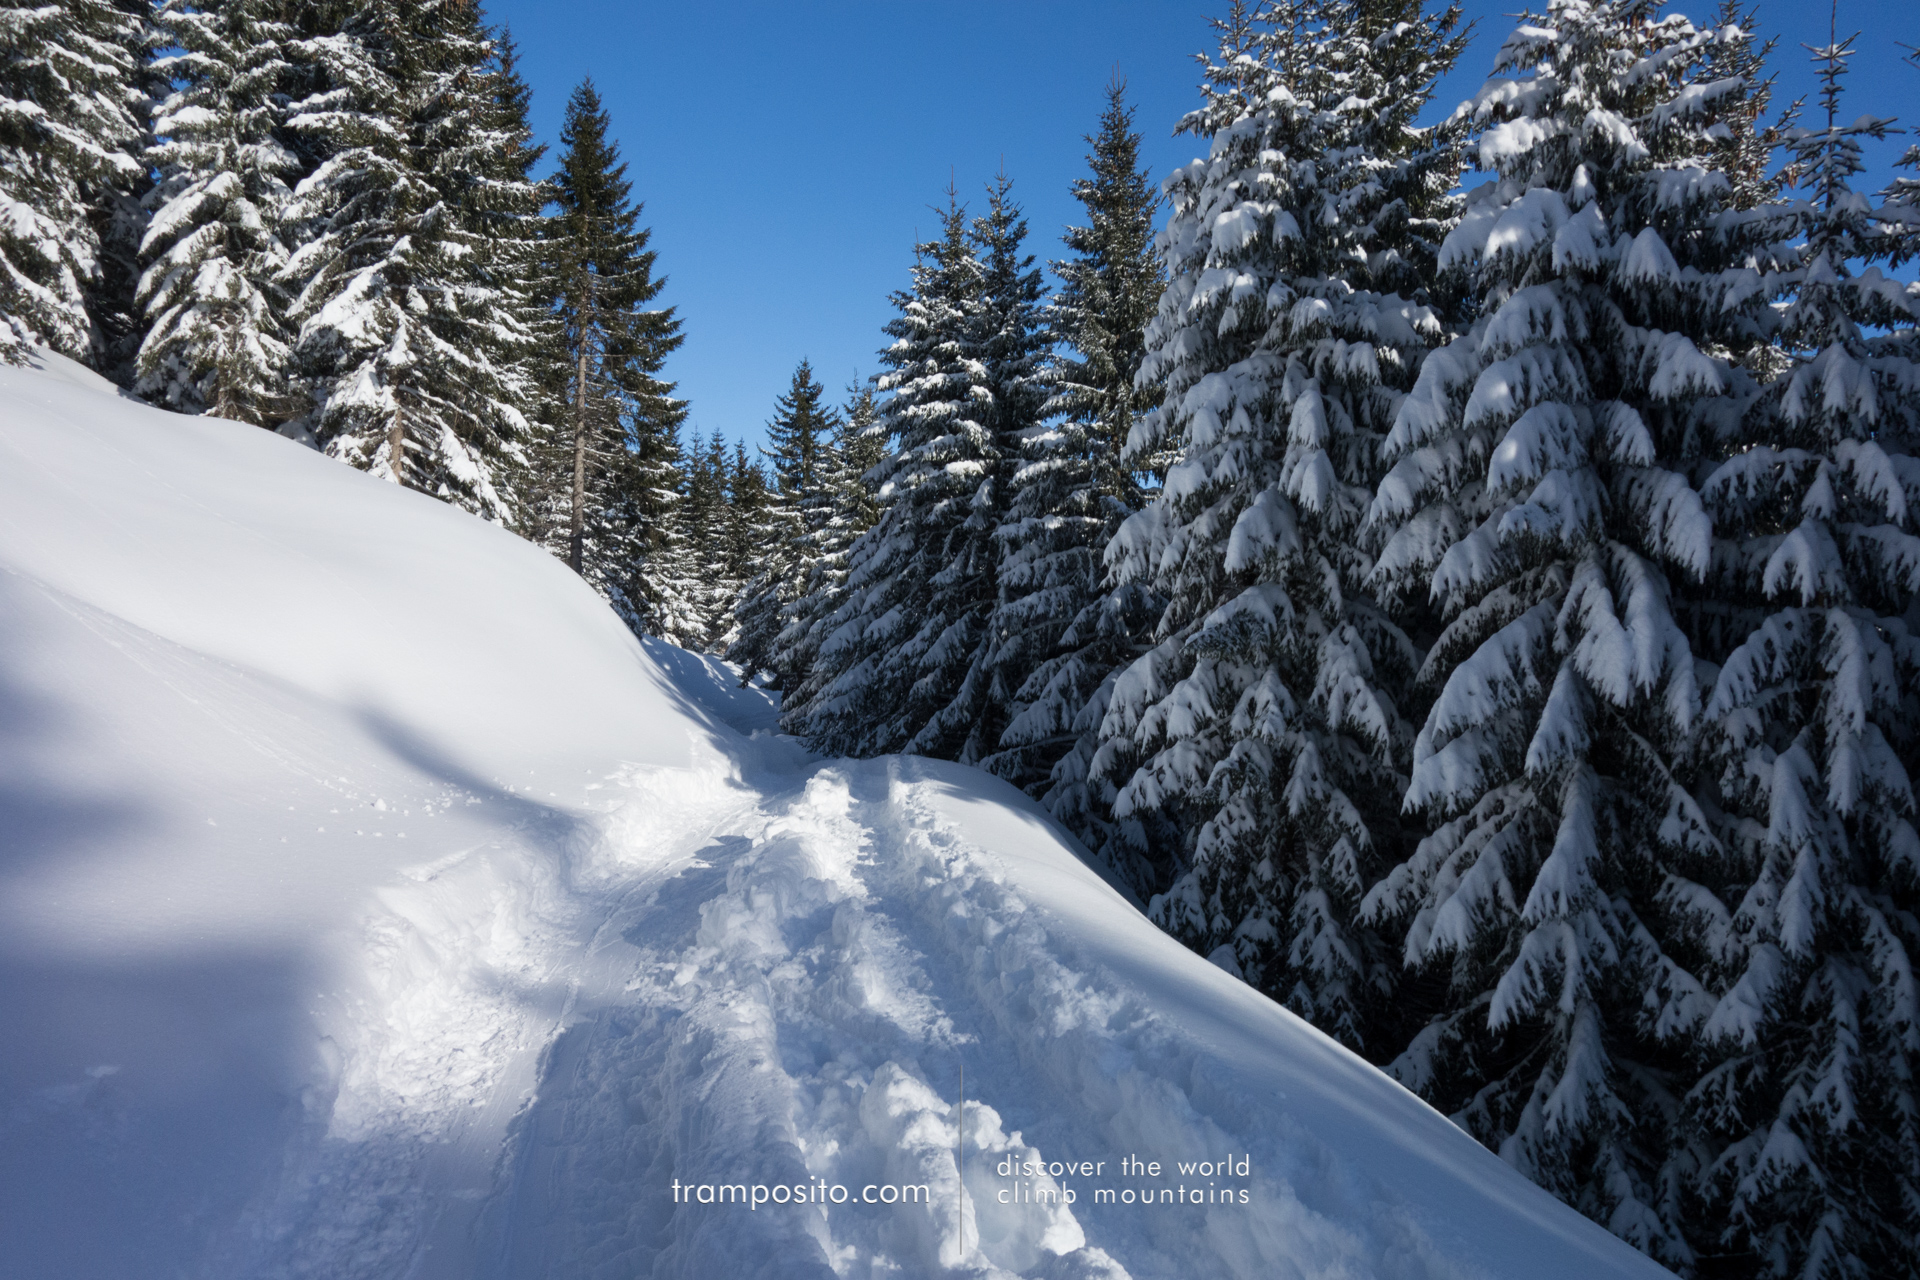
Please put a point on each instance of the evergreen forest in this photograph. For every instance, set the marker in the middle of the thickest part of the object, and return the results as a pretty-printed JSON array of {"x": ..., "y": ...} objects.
[{"x": 1459, "y": 577}]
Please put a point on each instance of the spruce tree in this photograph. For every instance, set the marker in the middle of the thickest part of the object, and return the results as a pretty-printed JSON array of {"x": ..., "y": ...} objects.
[
  {"x": 1072, "y": 490},
  {"x": 704, "y": 524},
  {"x": 216, "y": 341},
  {"x": 845, "y": 507},
  {"x": 799, "y": 438},
  {"x": 1749, "y": 143},
  {"x": 1257, "y": 747},
  {"x": 119, "y": 210},
  {"x": 399, "y": 319},
  {"x": 522, "y": 243},
  {"x": 656, "y": 583},
  {"x": 1901, "y": 199},
  {"x": 865, "y": 696},
  {"x": 1542, "y": 509},
  {"x": 1810, "y": 752},
  {"x": 504, "y": 205},
  {"x": 70, "y": 131},
  {"x": 641, "y": 557},
  {"x": 615, "y": 456},
  {"x": 756, "y": 520},
  {"x": 1110, "y": 288},
  {"x": 858, "y": 447},
  {"x": 974, "y": 656}
]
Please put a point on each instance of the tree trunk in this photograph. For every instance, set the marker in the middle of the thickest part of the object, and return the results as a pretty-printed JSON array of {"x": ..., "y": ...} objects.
[
  {"x": 397, "y": 446},
  {"x": 576, "y": 543}
]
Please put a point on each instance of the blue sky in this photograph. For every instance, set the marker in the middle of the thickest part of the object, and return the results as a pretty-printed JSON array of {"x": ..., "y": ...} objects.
[{"x": 788, "y": 153}]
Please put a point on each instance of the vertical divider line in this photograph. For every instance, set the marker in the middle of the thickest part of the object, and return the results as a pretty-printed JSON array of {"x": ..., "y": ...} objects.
[{"x": 960, "y": 1164}]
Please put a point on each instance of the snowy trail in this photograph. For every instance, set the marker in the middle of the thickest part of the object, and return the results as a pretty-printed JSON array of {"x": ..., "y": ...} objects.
[
  {"x": 374, "y": 907},
  {"x": 775, "y": 978}
]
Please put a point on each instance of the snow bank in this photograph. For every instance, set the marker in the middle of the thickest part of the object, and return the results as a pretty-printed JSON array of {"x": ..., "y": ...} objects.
[{"x": 372, "y": 904}]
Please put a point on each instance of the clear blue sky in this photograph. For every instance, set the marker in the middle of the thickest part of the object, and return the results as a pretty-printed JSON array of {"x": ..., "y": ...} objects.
[{"x": 787, "y": 153}]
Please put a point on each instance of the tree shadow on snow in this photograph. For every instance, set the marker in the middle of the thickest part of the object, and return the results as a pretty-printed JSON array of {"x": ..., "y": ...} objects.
[
  {"x": 143, "y": 1095},
  {"x": 544, "y": 823}
]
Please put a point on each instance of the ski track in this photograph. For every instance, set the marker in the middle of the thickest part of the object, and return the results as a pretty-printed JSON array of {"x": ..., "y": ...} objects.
[{"x": 754, "y": 979}]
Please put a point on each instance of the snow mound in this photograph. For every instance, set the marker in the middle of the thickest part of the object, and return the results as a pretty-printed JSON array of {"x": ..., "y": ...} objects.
[{"x": 372, "y": 904}]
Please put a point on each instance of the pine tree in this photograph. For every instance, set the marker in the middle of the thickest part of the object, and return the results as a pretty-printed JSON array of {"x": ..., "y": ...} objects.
[
  {"x": 704, "y": 528},
  {"x": 865, "y": 696},
  {"x": 1810, "y": 748},
  {"x": 1542, "y": 499},
  {"x": 615, "y": 458},
  {"x": 1109, "y": 291},
  {"x": 858, "y": 447},
  {"x": 70, "y": 131},
  {"x": 1749, "y": 142},
  {"x": 399, "y": 318},
  {"x": 640, "y": 555},
  {"x": 799, "y": 437},
  {"x": 755, "y": 521},
  {"x": 844, "y": 508},
  {"x": 503, "y": 204},
  {"x": 977, "y": 657},
  {"x": 215, "y": 341},
  {"x": 1071, "y": 492},
  {"x": 119, "y": 212},
  {"x": 1901, "y": 199},
  {"x": 522, "y": 243},
  {"x": 1264, "y": 730}
]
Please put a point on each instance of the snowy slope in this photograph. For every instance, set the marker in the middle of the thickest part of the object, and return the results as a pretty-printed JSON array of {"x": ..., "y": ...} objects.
[{"x": 371, "y": 904}]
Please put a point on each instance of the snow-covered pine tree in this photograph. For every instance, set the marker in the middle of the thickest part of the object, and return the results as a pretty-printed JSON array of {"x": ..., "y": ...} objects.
[
  {"x": 1071, "y": 492},
  {"x": 399, "y": 319},
  {"x": 521, "y": 239},
  {"x": 754, "y": 522},
  {"x": 1541, "y": 498},
  {"x": 1265, "y": 722},
  {"x": 1749, "y": 143},
  {"x": 794, "y": 506},
  {"x": 1110, "y": 288},
  {"x": 615, "y": 458},
  {"x": 858, "y": 447},
  {"x": 504, "y": 203},
  {"x": 1900, "y": 205},
  {"x": 843, "y": 509},
  {"x": 1811, "y": 748},
  {"x": 651, "y": 571},
  {"x": 861, "y": 698},
  {"x": 70, "y": 132},
  {"x": 1147, "y": 845},
  {"x": 703, "y": 524},
  {"x": 969, "y": 671},
  {"x": 211, "y": 294},
  {"x": 120, "y": 209}
]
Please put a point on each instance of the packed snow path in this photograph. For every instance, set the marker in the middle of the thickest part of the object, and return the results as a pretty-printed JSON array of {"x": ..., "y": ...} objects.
[
  {"x": 772, "y": 978},
  {"x": 371, "y": 905}
]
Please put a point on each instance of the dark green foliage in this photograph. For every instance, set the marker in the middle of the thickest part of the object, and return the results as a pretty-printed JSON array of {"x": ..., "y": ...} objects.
[
  {"x": 400, "y": 319},
  {"x": 216, "y": 340},
  {"x": 903, "y": 659},
  {"x": 846, "y": 507},
  {"x": 1060, "y": 635},
  {"x": 971, "y": 665},
  {"x": 72, "y": 121},
  {"x": 614, "y": 452},
  {"x": 800, "y": 440}
]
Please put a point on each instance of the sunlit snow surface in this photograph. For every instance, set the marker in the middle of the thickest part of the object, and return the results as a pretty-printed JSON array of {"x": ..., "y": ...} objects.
[{"x": 371, "y": 904}]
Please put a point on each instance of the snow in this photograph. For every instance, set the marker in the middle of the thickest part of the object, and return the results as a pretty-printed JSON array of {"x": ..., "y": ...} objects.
[{"x": 373, "y": 904}]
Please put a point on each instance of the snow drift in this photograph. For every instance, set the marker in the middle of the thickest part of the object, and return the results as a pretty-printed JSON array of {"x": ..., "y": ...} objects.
[{"x": 372, "y": 904}]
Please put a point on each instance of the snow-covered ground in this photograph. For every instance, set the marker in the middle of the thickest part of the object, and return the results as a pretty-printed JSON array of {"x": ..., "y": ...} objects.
[{"x": 372, "y": 904}]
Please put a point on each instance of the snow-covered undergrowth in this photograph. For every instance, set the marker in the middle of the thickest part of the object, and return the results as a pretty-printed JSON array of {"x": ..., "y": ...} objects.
[{"x": 372, "y": 904}]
